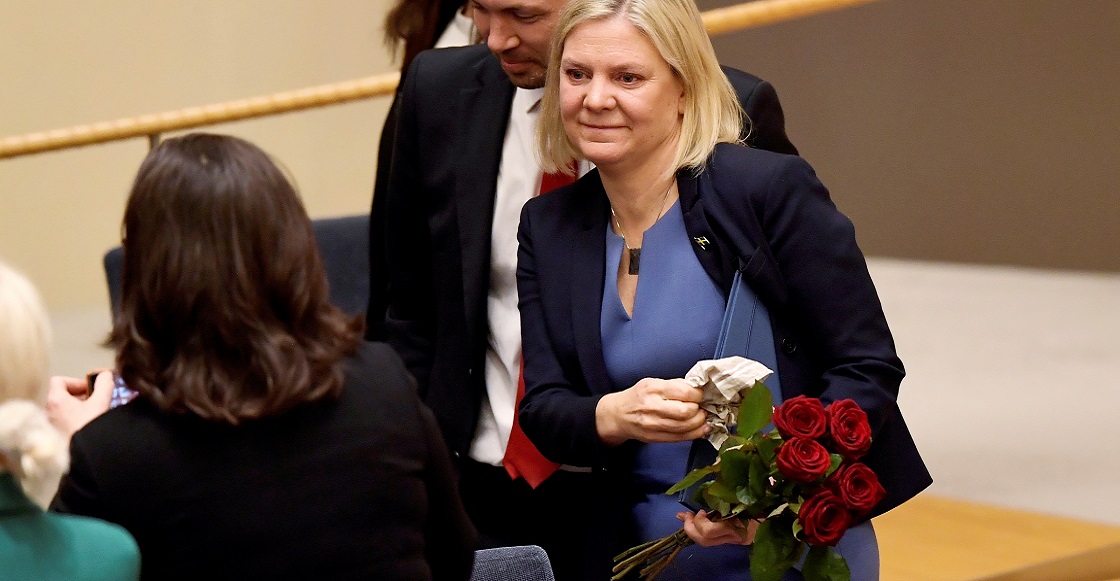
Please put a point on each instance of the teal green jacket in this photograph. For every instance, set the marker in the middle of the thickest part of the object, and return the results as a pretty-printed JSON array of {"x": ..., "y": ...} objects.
[{"x": 39, "y": 545}]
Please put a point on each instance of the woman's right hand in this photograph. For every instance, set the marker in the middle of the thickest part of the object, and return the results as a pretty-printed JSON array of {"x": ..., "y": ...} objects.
[
  {"x": 653, "y": 410},
  {"x": 70, "y": 405}
]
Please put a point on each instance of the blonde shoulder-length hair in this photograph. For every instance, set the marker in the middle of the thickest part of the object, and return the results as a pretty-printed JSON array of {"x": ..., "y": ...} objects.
[
  {"x": 712, "y": 113},
  {"x": 35, "y": 451}
]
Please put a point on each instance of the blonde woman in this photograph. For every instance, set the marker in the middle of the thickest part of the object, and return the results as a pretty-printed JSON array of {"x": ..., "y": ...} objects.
[
  {"x": 623, "y": 279},
  {"x": 35, "y": 544}
]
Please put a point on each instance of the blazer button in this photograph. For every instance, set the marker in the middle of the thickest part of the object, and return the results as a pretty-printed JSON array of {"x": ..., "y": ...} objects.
[{"x": 789, "y": 347}]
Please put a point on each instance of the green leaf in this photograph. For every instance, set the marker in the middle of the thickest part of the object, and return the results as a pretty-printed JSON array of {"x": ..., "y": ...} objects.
[
  {"x": 767, "y": 448},
  {"x": 736, "y": 467},
  {"x": 736, "y": 510},
  {"x": 714, "y": 503},
  {"x": 786, "y": 489},
  {"x": 778, "y": 510},
  {"x": 745, "y": 496},
  {"x": 756, "y": 409},
  {"x": 732, "y": 441},
  {"x": 722, "y": 491},
  {"x": 691, "y": 478},
  {"x": 835, "y": 460},
  {"x": 775, "y": 551},
  {"x": 759, "y": 477},
  {"x": 825, "y": 564}
]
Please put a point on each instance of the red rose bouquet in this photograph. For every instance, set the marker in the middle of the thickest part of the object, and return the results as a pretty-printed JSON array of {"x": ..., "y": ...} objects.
[{"x": 801, "y": 480}]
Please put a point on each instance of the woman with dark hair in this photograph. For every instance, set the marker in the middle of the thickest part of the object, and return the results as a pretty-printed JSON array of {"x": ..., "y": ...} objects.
[
  {"x": 267, "y": 440},
  {"x": 422, "y": 24}
]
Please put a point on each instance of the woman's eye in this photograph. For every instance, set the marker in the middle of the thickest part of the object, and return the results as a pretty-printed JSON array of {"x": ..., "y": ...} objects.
[
  {"x": 576, "y": 75},
  {"x": 628, "y": 78}
]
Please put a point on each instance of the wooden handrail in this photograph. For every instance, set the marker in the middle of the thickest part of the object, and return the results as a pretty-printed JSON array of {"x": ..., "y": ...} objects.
[
  {"x": 191, "y": 117},
  {"x": 718, "y": 21},
  {"x": 1096, "y": 565},
  {"x": 763, "y": 12}
]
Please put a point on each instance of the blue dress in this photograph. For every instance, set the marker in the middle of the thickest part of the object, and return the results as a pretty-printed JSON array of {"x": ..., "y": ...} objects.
[
  {"x": 676, "y": 318},
  {"x": 677, "y": 313}
]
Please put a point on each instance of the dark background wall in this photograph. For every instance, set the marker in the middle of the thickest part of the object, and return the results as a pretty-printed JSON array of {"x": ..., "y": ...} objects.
[{"x": 977, "y": 131}]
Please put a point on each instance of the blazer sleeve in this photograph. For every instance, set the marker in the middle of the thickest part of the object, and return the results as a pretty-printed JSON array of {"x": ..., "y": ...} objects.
[
  {"x": 409, "y": 324},
  {"x": 833, "y": 311},
  {"x": 378, "y": 267},
  {"x": 558, "y": 410}
]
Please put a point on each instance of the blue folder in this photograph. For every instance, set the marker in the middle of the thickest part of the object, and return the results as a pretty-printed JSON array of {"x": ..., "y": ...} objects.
[{"x": 745, "y": 331}]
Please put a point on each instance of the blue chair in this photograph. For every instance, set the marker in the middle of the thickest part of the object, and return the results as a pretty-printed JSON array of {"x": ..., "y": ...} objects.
[
  {"x": 344, "y": 246},
  {"x": 526, "y": 563}
]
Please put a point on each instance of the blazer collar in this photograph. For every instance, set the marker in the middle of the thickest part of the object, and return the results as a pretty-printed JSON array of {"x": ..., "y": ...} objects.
[{"x": 704, "y": 240}]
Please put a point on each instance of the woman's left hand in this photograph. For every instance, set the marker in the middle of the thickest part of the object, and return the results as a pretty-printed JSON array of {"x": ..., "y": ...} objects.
[{"x": 709, "y": 533}]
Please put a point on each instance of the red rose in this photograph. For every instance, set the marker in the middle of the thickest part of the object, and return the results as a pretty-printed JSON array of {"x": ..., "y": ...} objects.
[
  {"x": 802, "y": 460},
  {"x": 858, "y": 486},
  {"x": 824, "y": 519},
  {"x": 801, "y": 417},
  {"x": 850, "y": 431}
]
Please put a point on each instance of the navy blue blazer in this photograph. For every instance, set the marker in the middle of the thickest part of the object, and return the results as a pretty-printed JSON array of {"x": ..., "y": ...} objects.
[{"x": 764, "y": 212}]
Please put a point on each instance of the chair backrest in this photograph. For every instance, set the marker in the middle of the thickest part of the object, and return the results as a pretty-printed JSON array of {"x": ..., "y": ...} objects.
[
  {"x": 526, "y": 563},
  {"x": 343, "y": 244}
]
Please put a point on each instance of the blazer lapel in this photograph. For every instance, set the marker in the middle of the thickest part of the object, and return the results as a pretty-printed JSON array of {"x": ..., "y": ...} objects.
[
  {"x": 701, "y": 236},
  {"x": 587, "y": 264},
  {"x": 738, "y": 242},
  {"x": 484, "y": 113}
]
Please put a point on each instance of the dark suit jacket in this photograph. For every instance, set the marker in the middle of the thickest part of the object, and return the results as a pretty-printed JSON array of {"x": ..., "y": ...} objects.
[
  {"x": 766, "y": 212},
  {"x": 452, "y": 114},
  {"x": 358, "y": 488}
]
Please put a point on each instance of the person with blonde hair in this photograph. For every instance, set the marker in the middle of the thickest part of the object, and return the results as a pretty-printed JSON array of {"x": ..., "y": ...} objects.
[
  {"x": 624, "y": 278},
  {"x": 35, "y": 544}
]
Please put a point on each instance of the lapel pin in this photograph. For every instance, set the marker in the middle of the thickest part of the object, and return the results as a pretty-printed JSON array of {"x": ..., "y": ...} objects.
[{"x": 702, "y": 242}]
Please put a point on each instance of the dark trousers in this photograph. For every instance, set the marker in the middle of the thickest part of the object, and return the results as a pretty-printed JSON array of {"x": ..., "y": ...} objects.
[{"x": 558, "y": 516}]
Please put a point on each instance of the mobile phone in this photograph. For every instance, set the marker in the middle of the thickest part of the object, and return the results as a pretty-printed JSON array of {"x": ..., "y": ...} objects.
[{"x": 121, "y": 393}]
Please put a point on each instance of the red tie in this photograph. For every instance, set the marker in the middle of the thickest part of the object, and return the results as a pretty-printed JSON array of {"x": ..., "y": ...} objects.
[{"x": 522, "y": 458}]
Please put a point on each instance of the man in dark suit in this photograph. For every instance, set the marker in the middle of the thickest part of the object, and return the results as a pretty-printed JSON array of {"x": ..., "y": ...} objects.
[{"x": 462, "y": 166}]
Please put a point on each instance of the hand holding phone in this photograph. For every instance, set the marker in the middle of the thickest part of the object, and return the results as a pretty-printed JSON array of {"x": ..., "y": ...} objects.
[
  {"x": 121, "y": 393},
  {"x": 71, "y": 404}
]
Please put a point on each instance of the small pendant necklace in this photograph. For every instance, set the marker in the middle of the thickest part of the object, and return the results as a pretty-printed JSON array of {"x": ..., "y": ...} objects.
[{"x": 636, "y": 253}]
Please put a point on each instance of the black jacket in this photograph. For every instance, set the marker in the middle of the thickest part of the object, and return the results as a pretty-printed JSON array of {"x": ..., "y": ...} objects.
[{"x": 358, "y": 488}]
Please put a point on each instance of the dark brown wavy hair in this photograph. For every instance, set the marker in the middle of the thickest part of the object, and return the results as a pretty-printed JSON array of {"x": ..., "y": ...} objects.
[
  {"x": 418, "y": 23},
  {"x": 224, "y": 309}
]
